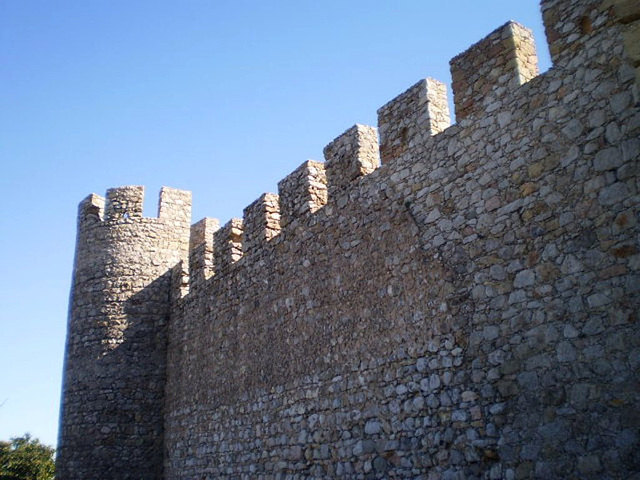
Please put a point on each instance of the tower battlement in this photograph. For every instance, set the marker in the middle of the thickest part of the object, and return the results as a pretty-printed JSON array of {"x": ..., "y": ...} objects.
[
  {"x": 431, "y": 301},
  {"x": 125, "y": 205}
]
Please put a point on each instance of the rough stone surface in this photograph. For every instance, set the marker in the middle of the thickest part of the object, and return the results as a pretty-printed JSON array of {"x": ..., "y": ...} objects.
[
  {"x": 115, "y": 363},
  {"x": 467, "y": 310}
]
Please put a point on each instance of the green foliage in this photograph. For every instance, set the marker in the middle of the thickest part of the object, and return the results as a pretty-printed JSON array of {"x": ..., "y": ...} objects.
[{"x": 24, "y": 458}]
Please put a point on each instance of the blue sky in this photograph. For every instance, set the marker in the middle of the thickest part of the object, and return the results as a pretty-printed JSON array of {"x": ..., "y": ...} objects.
[{"x": 223, "y": 98}]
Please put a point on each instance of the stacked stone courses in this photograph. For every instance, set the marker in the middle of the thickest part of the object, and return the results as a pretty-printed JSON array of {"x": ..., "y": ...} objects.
[{"x": 451, "y": 301}]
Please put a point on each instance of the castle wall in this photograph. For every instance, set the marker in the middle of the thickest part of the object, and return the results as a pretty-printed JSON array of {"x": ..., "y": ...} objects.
[
  {"x": 457, "y": 302},
  {"x": 467, "y": 310},
  {"x": 113, "y": 392}
]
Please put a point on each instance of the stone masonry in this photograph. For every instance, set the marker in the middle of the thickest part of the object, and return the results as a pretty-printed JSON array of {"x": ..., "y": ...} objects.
[{"x": 459, "y": 301}]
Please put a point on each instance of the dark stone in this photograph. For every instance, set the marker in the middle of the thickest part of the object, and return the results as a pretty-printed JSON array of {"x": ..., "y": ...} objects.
[{"x": 380, "y": 465}]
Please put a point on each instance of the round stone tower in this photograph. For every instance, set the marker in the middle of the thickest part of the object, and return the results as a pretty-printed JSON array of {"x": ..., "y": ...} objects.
[{"x": 111, "y": 423}]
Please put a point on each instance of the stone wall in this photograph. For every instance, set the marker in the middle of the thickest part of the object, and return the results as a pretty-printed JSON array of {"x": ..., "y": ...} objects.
[{"x": 467, "y": 309}]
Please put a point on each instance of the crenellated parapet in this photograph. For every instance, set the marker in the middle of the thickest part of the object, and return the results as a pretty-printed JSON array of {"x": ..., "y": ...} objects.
[
  {"x": 124, "y": 205},
  {"x": 485, "y": 76}
]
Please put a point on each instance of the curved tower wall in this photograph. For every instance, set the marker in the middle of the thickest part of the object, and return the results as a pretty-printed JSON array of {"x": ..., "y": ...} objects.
[{"x": 113, "y": 394}]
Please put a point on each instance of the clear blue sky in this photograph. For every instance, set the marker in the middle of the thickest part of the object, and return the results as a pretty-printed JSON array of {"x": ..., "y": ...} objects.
[{"x": 223, "y": 98}]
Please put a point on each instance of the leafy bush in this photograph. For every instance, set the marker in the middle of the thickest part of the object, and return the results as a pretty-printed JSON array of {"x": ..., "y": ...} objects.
[{"x": 24, "y": 458}]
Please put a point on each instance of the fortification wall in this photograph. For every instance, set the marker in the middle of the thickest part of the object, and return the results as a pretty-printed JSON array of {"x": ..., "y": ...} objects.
[
  {"x": 113, "y": 392},
  {"x": 466, "y": 310},
  {"x": 457, "y": 302}
]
